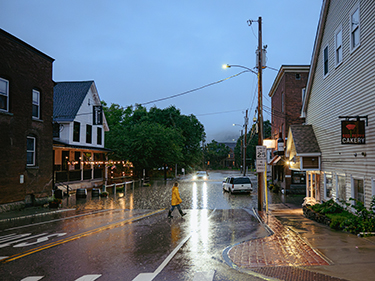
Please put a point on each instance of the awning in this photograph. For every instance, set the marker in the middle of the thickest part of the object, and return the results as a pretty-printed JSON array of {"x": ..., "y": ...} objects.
[{"x": 274, "y": 160}]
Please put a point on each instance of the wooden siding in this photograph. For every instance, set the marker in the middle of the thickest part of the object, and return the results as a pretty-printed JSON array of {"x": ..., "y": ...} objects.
[{"x": 348, "y": 90}]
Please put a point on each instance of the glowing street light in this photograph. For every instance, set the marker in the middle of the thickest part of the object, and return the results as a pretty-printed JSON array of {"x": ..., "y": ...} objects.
[{"x": 225, "y": 66}]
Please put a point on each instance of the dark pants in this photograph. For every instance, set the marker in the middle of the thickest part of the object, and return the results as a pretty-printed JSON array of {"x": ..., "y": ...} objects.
[{"x": 176, "y": 206}]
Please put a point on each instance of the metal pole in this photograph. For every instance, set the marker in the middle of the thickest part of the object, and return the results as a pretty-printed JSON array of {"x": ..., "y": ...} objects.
[
  {"x": 244, "y": 146},
  {"x": 260, "y": 112}
]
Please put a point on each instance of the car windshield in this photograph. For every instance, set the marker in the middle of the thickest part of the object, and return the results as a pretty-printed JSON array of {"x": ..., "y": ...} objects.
[
  {"x": 201, "y": 173},
  {"x": 241, "y": 180}
]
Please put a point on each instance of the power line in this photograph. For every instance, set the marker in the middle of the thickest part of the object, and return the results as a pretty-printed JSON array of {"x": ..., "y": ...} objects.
[
  {"x": 229, "y": 111},
  {"x": 196, "y": 89}
]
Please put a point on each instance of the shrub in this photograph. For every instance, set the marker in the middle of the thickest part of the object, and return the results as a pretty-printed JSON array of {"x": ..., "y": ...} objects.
[{"x": 342, "y": 218}]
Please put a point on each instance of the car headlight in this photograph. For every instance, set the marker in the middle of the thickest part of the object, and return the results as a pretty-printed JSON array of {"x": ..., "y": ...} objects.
[{"x": 194, "y": 177}]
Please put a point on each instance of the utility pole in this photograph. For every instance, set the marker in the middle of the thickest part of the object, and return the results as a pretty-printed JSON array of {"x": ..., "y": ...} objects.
[
  {"x": 260, "y": 112},
  {"x": 244, "y": 145}
]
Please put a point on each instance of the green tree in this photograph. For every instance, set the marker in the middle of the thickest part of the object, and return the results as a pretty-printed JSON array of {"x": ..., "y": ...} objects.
[
  {"x": 215, "y": 153},
  {"x": 153, "y": 139}
]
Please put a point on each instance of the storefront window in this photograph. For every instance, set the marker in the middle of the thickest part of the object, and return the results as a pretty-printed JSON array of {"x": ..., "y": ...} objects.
[
  {"x": 358, "y": 190},
  {"x": 328, "y": 185},
  {"x": 298, "y": 177},
  {"x": 341, "y": 186}
]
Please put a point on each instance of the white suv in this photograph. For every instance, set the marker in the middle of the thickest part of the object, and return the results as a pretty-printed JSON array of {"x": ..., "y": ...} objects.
[{"x": 237, "y": 184}]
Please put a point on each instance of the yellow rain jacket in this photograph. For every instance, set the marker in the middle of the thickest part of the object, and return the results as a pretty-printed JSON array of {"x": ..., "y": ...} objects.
[{"x": 176, "y": 200}]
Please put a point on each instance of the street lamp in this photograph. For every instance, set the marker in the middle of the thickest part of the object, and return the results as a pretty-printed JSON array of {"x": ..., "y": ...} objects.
[
  {"x": 236, "y": 65},
  {"x": 260, "y": 121}
]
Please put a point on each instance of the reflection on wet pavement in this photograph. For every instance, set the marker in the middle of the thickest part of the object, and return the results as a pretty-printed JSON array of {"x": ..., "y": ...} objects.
[{"x": 283, "y": 248}]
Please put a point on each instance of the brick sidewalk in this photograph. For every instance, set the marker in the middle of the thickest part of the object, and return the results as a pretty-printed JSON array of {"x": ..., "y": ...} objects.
[
  {"x": 280, "y": 255},
  {"x": 283, "y": 248}
]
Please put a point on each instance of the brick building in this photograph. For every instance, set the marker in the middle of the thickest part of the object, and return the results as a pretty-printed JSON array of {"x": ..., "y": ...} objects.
[
  {"x": 286, "y": 100},
  {"x": 26, "y": 109}
]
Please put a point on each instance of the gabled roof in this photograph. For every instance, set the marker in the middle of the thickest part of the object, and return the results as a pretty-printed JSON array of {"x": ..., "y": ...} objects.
[
  {"x": 304, "y": 139},
  {"x": 315, "y": 54},
  {"x": 68, "y": 98}
]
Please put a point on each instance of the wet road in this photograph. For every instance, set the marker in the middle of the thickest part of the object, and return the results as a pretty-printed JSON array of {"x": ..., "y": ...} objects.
[{"x": 128, "y": 237}]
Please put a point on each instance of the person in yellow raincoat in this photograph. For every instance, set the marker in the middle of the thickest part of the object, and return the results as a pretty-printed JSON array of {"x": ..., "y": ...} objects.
[{"x": 176, "y": 201}]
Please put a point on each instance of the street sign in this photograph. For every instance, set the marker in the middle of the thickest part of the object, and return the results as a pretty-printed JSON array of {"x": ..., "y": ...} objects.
[
  {"x": 261, "y": 156},
  {"x": 261, "y": 166}
]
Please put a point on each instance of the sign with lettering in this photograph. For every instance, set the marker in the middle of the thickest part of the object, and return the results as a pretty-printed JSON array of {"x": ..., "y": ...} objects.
[
  {"x": 353, "y": 132},
  {"x": 261, "y": 158},
  {"x": 97, "y": 115}
]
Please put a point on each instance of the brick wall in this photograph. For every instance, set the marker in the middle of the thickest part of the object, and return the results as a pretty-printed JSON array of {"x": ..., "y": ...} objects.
[
  {"x": 288, "y": 112},
  {"x": 26, "y": 69}
]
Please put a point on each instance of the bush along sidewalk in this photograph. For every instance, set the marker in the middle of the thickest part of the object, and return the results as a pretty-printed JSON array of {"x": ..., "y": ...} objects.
[{"x": 353, "y": 218}]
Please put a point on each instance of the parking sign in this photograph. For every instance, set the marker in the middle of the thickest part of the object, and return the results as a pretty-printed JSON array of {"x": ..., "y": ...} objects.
[{"x": 261, "y": 157}]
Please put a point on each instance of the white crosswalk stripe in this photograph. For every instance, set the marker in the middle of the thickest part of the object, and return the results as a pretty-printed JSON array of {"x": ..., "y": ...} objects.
[{"x": 89, "y": 277}]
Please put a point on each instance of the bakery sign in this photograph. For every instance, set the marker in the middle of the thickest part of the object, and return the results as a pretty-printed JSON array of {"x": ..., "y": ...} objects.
[{"x": 353, "y": 132}]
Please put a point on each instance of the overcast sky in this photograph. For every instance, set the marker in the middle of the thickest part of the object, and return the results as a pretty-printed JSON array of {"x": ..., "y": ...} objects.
[{"x": 139, "y": 51}]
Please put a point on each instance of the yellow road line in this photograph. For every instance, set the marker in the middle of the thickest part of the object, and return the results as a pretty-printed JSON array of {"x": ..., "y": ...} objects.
[{"x": 77, "y": 236}]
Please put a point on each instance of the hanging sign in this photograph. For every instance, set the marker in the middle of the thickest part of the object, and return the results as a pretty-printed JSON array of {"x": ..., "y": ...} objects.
[
  {"x": 97, "y": 115},
  {"x": 353, "y": 132}
]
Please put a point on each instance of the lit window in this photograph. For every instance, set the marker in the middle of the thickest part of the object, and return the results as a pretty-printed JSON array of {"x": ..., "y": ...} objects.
[
  {"x": 4, "y": 95},
  {"x": 354, "y": 28},
  {"x": 30, "y": 146},
  {"x": 36, "y": 104},
  {"x": 338, "y": 46}
]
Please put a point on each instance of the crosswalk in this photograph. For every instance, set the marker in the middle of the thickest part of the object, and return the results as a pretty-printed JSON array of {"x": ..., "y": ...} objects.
[{"x": 90, "y": 277}]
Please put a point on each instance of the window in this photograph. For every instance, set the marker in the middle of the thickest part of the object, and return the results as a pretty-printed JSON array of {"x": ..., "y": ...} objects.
[
  {"x": 99, "y": 136},
  {"x": 354, "y": 28},
  {"x": 4, "y": 95},
  {"x": 88, "y": 133},
  {"x": 358, "y": 190},
  {"x": 338, "y": 45},
  {"x": 298, "y": 76},
  {"x": 36, "y": 104},
  {"x": 328, "y": 185},
  {"x": 298, "y": 177},
  {"x": 76, "y": 131},
  {"x": 341, "y": 188},
  {"x": 325, "y": 61},
  {"x": 30, "y": 147},
  {"x": 56, "y": 130}
]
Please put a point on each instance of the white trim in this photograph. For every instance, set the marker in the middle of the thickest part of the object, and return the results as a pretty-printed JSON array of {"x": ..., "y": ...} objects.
[
  {"x": 325, "y": 184},
  {"x": 337, "y": 31},
  {"x": 36, "y": 103},
  {"x": 309, "y": 154},
  {"x": 6, "y": 94},
  {"x": 353, "y": 10},
  {"x": 31, "y": 151}
]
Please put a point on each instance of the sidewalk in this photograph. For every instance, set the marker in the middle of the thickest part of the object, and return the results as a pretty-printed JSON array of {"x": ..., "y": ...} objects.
[{"x": 301, "y": 249}]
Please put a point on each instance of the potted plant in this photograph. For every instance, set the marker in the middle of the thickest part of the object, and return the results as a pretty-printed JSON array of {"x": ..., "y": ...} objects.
[
  {"x": 104, "y": 194},
  {"x": 55, "y": 202}
]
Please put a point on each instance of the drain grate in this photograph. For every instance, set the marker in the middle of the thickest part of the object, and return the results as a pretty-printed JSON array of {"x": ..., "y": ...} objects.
[{"x": 289, "y": 273}]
